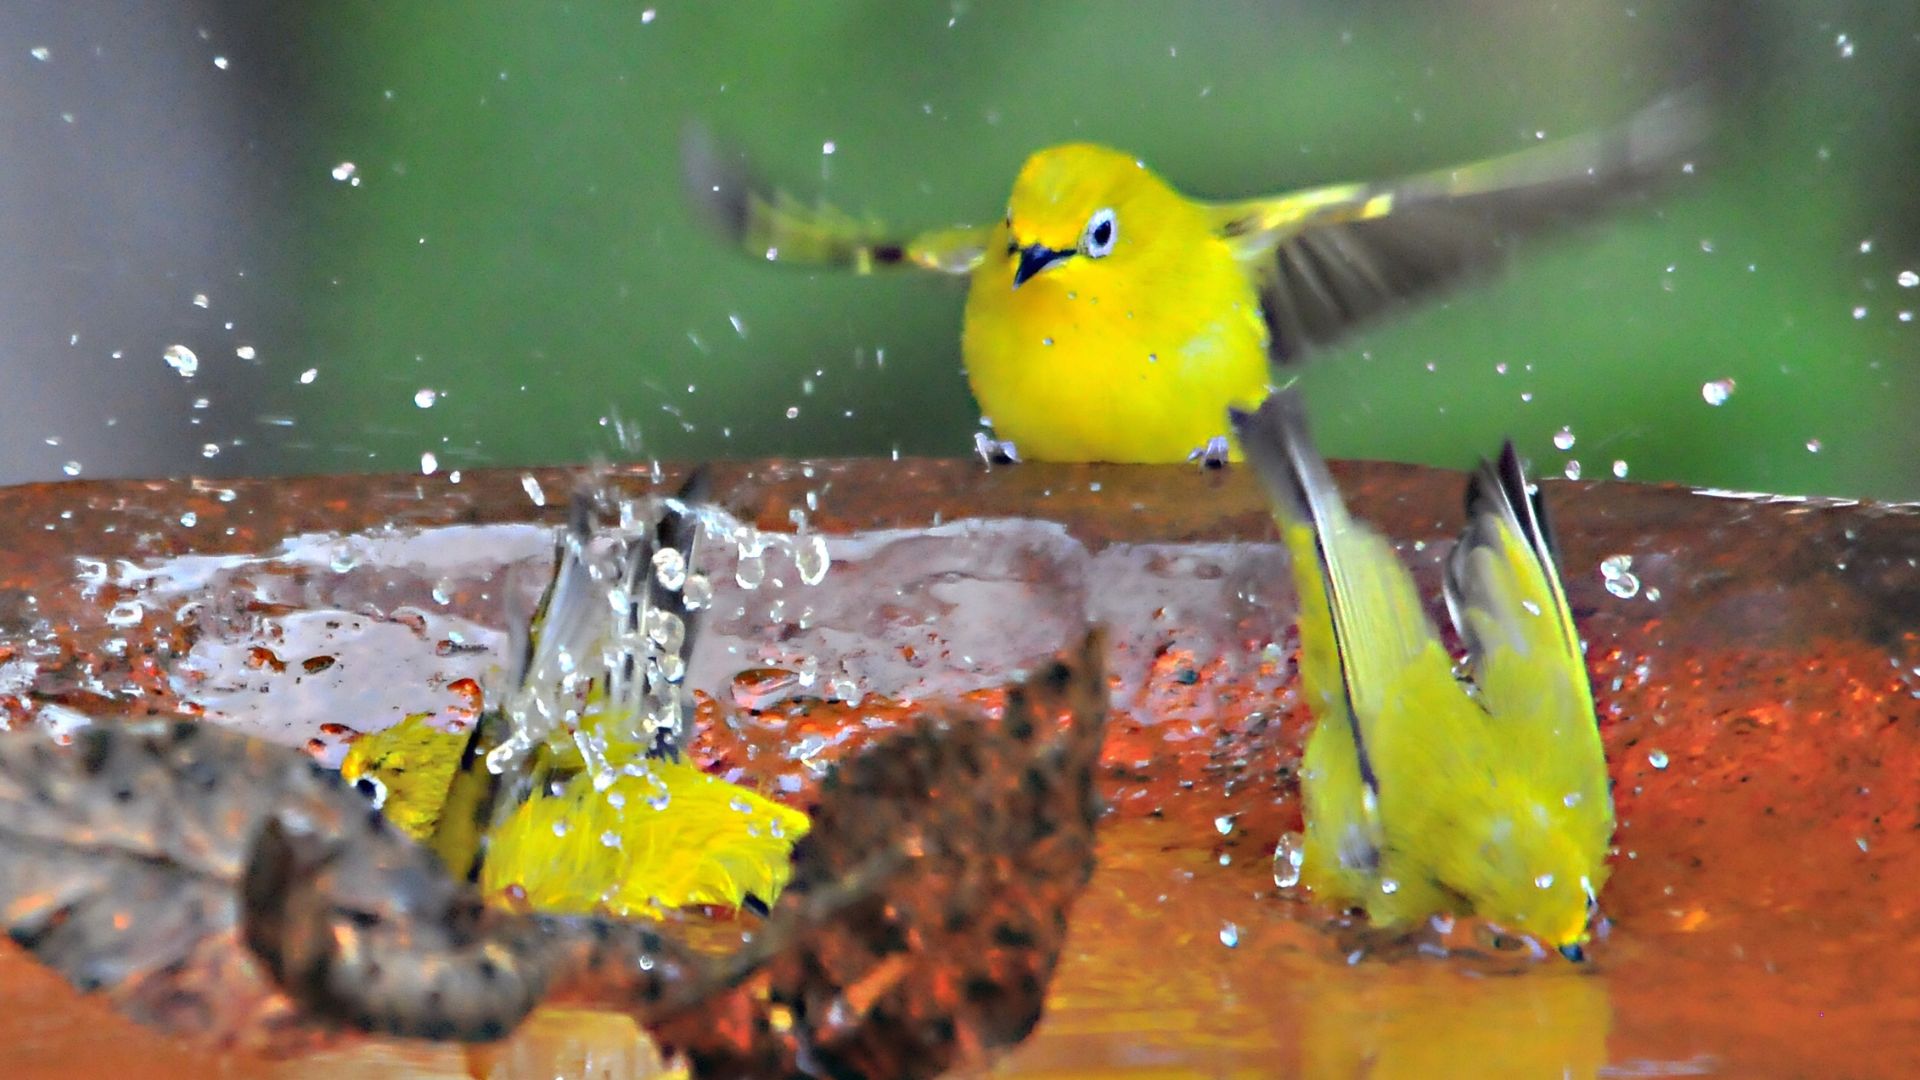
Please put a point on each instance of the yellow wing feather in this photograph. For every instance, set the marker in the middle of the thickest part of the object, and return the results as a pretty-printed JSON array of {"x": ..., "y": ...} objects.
[
  {"x": 1506, "y": 599},
  {"x": 1332, "y": 258},
  {"x": 770, "y": 224}
]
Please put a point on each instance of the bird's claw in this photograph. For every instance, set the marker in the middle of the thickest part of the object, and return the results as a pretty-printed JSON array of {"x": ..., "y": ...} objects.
[
  {"x": 994, "y": 451},
  {"x": 1213, "y": 454}
]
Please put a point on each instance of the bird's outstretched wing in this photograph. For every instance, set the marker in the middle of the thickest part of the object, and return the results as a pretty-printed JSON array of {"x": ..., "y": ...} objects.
[
  {"x": 1504, "y": 593},
  {"x": 1333, "y": 258},
  {"x": 770, "y": 224}
]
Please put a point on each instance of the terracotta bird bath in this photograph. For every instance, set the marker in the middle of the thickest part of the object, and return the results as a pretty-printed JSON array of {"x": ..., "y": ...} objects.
[{"x": 1756, "y": 662}]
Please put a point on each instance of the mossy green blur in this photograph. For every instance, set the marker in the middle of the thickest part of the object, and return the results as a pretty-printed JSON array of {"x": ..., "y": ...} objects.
[{"x": 518, "y": 240}]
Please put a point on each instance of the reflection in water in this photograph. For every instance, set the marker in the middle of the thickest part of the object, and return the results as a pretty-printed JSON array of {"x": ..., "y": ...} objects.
[{"x": 1424, "y": 1019}]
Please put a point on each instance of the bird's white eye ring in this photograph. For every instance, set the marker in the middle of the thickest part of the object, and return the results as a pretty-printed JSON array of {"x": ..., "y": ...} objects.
[
  {"x": 1102, "y": 231},
  {"x": 373, "y": 789}
]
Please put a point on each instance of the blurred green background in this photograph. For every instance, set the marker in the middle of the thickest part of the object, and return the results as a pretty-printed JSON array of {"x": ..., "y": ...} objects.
[{"x": 510, "y": 237}]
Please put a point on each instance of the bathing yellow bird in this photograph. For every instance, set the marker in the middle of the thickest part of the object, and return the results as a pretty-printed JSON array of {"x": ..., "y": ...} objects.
[
  {"x": 663, "y": 835},
  {"x": 1112, "y": 318},
  {"x": 1425, "y": 794},
  {"x": 595, "y": 811}
]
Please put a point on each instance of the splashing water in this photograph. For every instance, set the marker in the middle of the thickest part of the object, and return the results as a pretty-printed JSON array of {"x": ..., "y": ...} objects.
[{"x": 610, "y": 645}]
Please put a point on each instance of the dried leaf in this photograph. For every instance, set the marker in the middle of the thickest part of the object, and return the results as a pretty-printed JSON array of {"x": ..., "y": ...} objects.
[
  {"x": 215, "y": 885},
  {"x": 953, "y": 955}
]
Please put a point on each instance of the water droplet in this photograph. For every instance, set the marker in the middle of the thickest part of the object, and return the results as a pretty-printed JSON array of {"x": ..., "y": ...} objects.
[
  {"x": 307, "y": 376},
  {"x": 40, "y": 53},
  {"x": 1845, "y": 45},
  {"x": 189, "y": 519},
  {"x": 220, "y": 62},
  {"x": 1571, "y": 799},
  {"x": 666, "y": 629},
  {"x": 425, "y": 397},
  {"x": 1563, "y": 439},
  {"x": 531, "y": 485},
  {"x": 1573, "y": 469},
  {"x": 1908, "y": 279},
  {"x": 126, "y": 613},
  {"x": 750, "y": 571},
  {"x": 429, "y": 464},
  {"x": 670, "y": 568},
  {"x": 610, "y": 839},
  {"x": 1813, "y": 446},
  {"x": 1717, "y": 391},
  {"x": 71, "y": 468},
  {"x": 1859, "y": 311},
  {"x": 698, "y": 592},
  {"x": 1389, "y": 886},
  {"x": 245, "y": 352},
  {"x": 810, "y": 558},
  {"x": 1620, "y": 470},
  {"x": 200, "y": 300},
  {"x": 209, "y": 450},
  {"x": 1288, "y": 857},
  {"x": 1224, "y": 824},
  {"x": 1544, "y": 881},
  {"x": 1657, "y": 758},
  {"x": 560, "y": 828},
  {"x": 844, "y": 688},
  {"x": 673, "y": 667},
  {"x": 1617, "y": 572},
  {"x": 1230, "y": 936},
  {"x": 346, "y": 171},
  {"x": 181, "y": 359}
]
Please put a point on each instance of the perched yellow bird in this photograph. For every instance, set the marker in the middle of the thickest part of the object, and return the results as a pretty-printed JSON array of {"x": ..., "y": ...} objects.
[
  {"x": 596, "y": 811},
  {"x": 1112, "y": 318},
  {"x": 1425, "y": 793}
]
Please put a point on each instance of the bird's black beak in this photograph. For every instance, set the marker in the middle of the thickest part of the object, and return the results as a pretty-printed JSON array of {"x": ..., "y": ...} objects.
[
  {"x": 1033, "y": 259},
  {"x": 1574, "y": 953}
]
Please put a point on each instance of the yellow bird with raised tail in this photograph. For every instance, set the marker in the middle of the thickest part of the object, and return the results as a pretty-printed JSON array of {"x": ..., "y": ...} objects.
[
  {"x": 1112, "y": 318},
  {"x": 1426, "y": 793}
]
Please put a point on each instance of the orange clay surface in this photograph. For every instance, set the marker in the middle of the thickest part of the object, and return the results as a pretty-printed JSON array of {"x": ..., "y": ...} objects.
[{"x": 1761, "y": 715}]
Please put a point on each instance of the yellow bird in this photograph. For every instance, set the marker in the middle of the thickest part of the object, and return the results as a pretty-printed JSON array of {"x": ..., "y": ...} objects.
[
  {"x": 663, "y": 835},
  {"x": 1426, "y": 793},
  {"x": 1111, "y": 317}
]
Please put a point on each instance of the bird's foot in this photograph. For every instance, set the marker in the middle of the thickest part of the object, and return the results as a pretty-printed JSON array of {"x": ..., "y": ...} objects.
[
  {"x": 994, "y": 451},
  {"x": 1213, "y": 454}
]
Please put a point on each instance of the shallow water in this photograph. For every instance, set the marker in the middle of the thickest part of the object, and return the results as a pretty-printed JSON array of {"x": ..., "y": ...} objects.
[{"x": 1758, "y": 692}]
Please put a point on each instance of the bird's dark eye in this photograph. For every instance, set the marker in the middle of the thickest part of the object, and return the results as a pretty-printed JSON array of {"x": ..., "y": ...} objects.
[
  {"x": 373, "y": 789},
  {"x": 1102, "y": 231}
]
